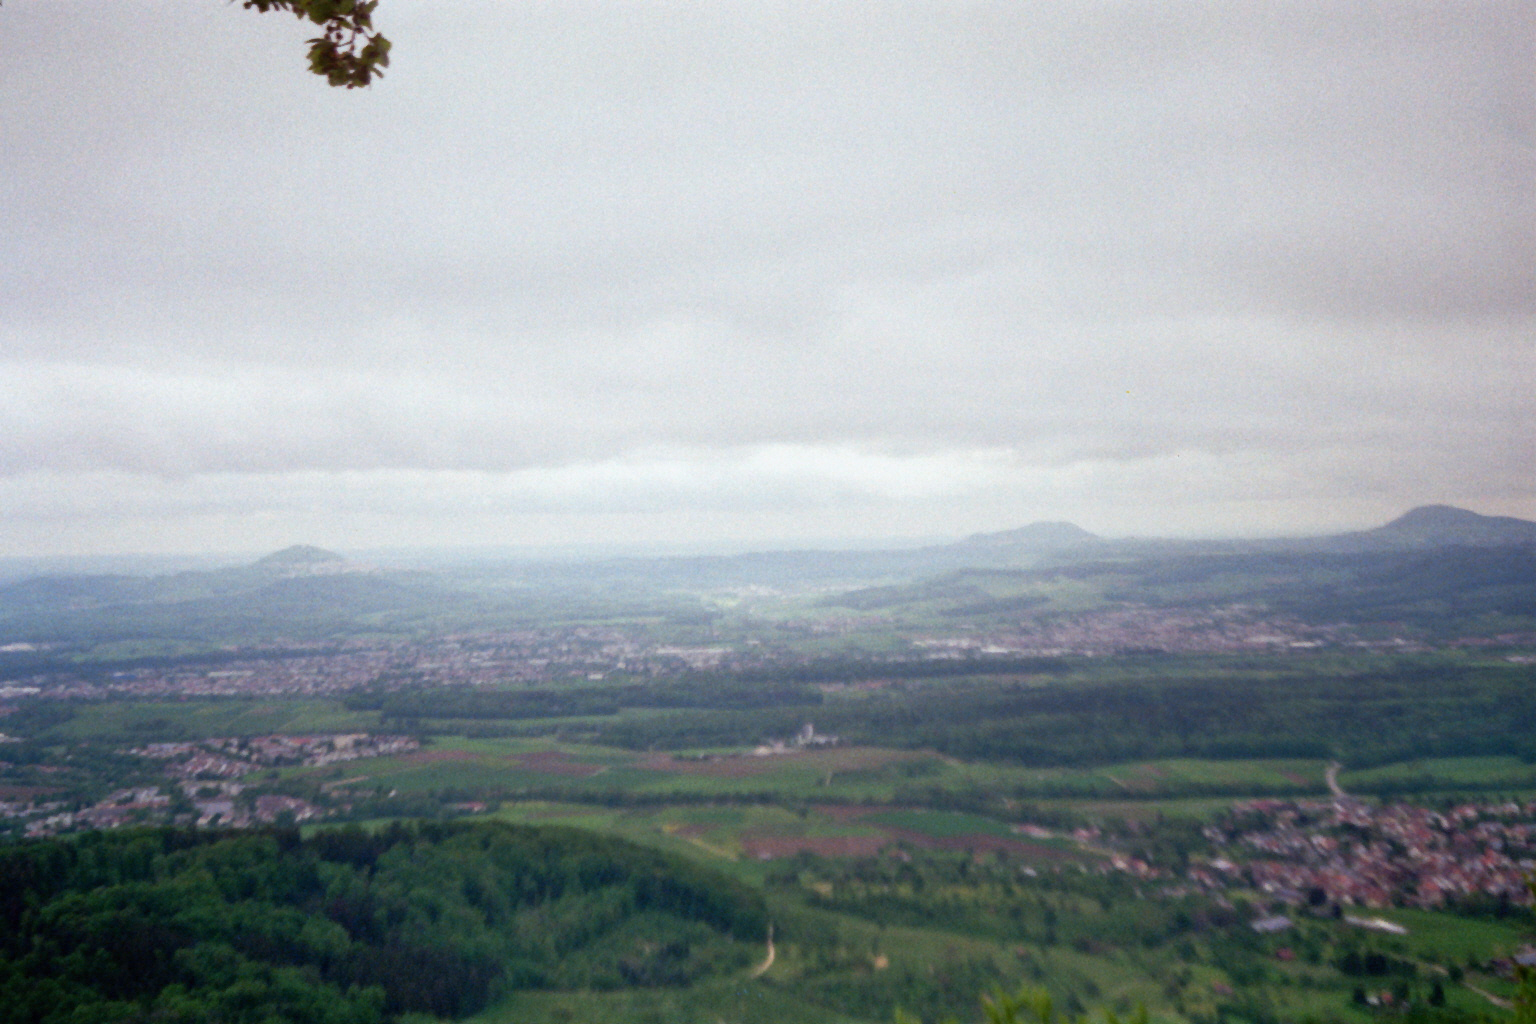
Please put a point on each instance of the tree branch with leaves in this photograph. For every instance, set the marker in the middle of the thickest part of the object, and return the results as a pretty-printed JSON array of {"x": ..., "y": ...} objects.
[{"x": 349, "y": 51}]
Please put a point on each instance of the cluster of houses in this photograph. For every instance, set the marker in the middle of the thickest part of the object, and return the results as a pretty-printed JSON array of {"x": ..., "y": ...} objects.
[
  {"x": 232, "y": 757},
  {"x": 217, "y": 805},
  {"x": 1108, "y": 631},
  {"x": 1348, "y": 852},
  {"x": 471, "y": 659},
  {"x": 205, "y": 786}
]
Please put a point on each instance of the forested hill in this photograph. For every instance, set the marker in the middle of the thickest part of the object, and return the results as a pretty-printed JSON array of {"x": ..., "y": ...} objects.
[{"x": 349, "y": 927}]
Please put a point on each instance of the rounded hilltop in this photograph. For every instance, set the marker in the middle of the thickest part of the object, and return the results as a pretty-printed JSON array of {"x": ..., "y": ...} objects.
[
  {"x": 300, "y": 554},
  {"x": 1448, "y": 525},
  {"x": 1041, "y": 534},
  {"x": 301, "y": 558}
]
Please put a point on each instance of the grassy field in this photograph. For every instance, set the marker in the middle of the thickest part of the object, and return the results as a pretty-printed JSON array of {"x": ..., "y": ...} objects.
[
  {"x": 864, "y": 968},
  {"x": 853, "y": 774},
  {"x": 745, "y": 840},
  {"x": 1140, "y": 811},
  {"x": 858, "y": 978},
  {"x": 1445, "y": 774},
  {"x": 146, "y": 721},
  {"x": 752, "y": 817},
  {"x": 741, "y": 1001},
  {"x": 1447, "y": 939},
  {"x": 1192, "y": 981}
]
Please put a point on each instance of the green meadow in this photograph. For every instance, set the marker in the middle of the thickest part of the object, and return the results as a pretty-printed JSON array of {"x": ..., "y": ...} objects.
[
  {"x": 854, "y": 774},
  {"x": 1445, "y": 774},
  {"x": 168, "y": 720},
  {"x": 915, "y": 867}
]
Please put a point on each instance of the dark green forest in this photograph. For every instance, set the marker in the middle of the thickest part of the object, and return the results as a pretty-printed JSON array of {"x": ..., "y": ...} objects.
[
  {"x": 349, "y": 926},
  {"x": 1038, "y": 713}
]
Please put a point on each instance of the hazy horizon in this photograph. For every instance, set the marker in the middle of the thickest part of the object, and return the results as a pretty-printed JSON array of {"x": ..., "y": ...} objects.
[
  {"x": 741, "y": 277},
  {"x": 427, "y": 555}
]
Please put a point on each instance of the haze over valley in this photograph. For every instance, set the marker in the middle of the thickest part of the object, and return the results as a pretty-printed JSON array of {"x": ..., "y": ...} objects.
[
  {"x": 775, "y": 513},
  {"x": 1281, "y": 770}
]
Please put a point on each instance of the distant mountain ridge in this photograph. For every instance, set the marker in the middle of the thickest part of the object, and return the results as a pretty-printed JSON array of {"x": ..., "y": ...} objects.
[
  {"x": 1435, "y": 557},
  {"x": 1052, "y": 535},
  {"x": 1434, "y": 526},
  {"x": 298, "y": 590}
]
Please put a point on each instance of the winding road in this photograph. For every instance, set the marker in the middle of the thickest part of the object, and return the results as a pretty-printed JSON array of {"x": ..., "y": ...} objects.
[
  {"x": 762, "y": 968},
  {"x": 1331, "y": 776}
]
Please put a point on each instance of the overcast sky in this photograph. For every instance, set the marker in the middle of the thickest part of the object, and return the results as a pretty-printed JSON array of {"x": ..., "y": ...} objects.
[{"x": 746, "y": 273}]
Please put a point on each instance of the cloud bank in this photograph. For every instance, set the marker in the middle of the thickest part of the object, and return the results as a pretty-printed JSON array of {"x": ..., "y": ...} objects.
[{"x": 580, "y": 271}]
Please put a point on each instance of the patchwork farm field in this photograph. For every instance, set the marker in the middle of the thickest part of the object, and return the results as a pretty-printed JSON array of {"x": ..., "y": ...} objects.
[
  {"x": 829, "y": 774},
  {"x": 751, "y": 834},
  {"x": 909, "y": 879},
  {"x": 915, "y": 867}
]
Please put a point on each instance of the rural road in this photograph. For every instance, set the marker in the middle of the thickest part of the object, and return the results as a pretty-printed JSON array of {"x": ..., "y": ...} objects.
[
  {"x": 762, "y": 968},
  {"x": 1331, "y": 775},
  {"x": 1503, "y": 1004}
]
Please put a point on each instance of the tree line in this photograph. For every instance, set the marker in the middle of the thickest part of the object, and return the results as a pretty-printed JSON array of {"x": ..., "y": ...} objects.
[{"x": 349, "y": 926}]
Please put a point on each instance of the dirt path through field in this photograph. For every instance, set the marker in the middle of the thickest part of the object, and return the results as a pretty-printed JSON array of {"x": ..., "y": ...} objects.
[
  {"x": 707, "y": 847},
  {"x": 762, "y": 968},
  {"x": 1331, "y": 776},
  {"x": 1503, "y": 1004}
]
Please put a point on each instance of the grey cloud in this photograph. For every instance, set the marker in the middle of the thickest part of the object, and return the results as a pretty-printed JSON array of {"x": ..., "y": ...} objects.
[{"x": 1088, "y": 238}]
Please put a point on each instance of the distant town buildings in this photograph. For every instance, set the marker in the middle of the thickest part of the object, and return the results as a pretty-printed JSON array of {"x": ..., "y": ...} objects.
[
  {"x": 1348, "y": 852},
  {"x": 593, "y": 652},
  {"x": 204, "y": 786}
]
